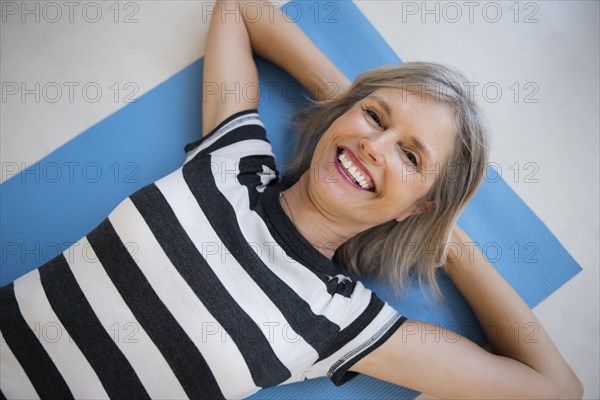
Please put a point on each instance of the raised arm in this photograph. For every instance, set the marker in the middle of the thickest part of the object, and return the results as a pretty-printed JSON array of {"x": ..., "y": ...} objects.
[
  {"x": 434, "y": 360},
  {"x": 278, "y": 39},
  {"x": 230, "y": 80},
  {"x": 228, "y": 67}
]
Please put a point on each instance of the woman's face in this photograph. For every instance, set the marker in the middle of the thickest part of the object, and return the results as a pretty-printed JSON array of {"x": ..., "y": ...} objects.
[{"x": 377, "y": 161}]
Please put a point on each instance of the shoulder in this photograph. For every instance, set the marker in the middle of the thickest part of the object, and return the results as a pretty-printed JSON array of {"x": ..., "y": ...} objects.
[{"x": 238, "y": 127}]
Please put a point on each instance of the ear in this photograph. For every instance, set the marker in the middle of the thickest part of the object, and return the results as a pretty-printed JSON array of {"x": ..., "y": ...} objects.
[{"x": 428, "y": 206}]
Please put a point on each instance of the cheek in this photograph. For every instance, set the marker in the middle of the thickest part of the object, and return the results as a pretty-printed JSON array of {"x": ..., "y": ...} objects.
[
  {"x": 351, "y": 124},
  {"x": 319, "y": 153},
  {"x": 410, "y": 181}
]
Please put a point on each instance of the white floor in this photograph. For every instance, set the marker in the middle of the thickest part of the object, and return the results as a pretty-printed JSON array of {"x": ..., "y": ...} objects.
[{"x": 535, "y": 68}]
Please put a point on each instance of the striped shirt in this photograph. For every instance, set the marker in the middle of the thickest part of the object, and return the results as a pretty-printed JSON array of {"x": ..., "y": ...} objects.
[{"x": 195, "y": 286}]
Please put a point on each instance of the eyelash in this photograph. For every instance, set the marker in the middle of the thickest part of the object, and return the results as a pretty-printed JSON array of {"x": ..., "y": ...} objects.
[
  {"x": 377, "y": 119},
  {"x": 372, "y": 113}
]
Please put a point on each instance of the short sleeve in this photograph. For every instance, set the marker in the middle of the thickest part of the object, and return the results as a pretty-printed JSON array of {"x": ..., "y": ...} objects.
[
  {"x": 367, "y": 323},
  {"x": 235, "y": 154},
  {"x": 241, "y": 134}
]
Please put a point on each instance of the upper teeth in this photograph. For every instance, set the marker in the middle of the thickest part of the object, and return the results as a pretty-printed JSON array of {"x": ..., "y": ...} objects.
[{"x": 353, "y": 171}]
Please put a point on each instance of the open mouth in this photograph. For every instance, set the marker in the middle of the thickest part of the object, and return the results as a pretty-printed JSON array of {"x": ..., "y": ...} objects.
[{"x": 355, "y": 175}]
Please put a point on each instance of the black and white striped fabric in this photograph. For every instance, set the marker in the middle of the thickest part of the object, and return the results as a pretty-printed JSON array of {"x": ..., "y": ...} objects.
[{"x": 196, "y": 286}]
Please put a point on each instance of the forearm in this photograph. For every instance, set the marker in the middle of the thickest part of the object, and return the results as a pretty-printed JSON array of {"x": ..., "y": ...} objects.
[
  {"x": 510, "y": 326},
  {"x": 279, "y": 40}
]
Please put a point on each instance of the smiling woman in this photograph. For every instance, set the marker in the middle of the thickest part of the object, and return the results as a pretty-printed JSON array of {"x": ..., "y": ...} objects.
[
  {"x": 242, "y": 282},
  {"x": 414, "y": 134}
]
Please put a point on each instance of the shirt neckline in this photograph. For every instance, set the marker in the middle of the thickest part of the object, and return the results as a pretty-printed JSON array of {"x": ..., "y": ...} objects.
[{"x": 303, "y": 249}]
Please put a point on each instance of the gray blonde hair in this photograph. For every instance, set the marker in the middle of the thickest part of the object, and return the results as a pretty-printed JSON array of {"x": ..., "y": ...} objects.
[{"x": 417, "y": 245}]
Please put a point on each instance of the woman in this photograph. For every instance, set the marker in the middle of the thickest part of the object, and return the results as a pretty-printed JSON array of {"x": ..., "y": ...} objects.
[{"x": 231, "y": 287}]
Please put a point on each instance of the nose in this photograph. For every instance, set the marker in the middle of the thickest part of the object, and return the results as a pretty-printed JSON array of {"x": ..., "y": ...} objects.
[{"x": 374, "y": 147}]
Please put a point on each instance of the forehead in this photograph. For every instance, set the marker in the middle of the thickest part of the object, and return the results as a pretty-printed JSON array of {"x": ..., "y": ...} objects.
[{"x": 414, "y": 116}]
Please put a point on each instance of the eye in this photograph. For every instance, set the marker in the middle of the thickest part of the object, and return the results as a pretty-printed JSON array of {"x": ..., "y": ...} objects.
[
  {"x": 375, "y": 117},
  {"x": 412, "y": 157}
]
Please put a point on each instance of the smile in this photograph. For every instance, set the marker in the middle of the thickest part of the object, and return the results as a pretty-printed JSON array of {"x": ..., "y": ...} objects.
[{"x": 353, "y": 172}]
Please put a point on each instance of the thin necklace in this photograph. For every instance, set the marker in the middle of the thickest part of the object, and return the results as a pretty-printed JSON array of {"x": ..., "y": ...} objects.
[{"x": 316, "y": 245}]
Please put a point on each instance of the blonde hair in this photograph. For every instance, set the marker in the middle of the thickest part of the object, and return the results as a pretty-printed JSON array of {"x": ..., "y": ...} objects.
[{"x": 416, "y": 245}]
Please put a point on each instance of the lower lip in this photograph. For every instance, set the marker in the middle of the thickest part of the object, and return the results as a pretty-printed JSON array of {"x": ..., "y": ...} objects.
[{"x": 346, "y": 178}]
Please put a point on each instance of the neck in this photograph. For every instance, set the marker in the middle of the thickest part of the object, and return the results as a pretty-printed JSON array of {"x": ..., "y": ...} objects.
[{"x": 318, "y": 228}]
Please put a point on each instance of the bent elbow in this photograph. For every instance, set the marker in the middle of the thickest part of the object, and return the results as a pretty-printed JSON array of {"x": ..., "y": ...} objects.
[
  {"x": 577, "y": 390},
  {"x": 573, "y": 389}
]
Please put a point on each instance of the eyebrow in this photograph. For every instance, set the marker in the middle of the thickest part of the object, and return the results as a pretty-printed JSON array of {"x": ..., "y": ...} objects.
[{"x": 415, "y": 141}]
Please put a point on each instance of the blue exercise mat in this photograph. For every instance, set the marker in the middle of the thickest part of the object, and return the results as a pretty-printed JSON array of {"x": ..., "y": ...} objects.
[{"x": 52, "y": 204}]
